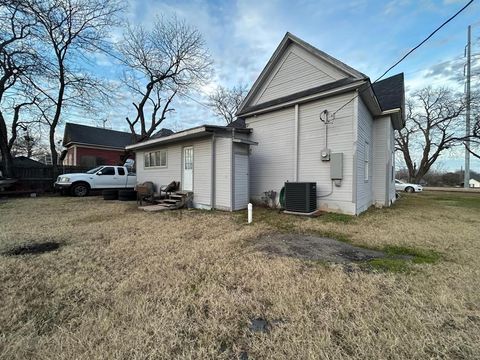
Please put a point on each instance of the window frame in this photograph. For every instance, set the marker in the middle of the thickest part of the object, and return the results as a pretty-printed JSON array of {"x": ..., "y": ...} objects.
[
  {"x": 153, "y": 156},
  {"x": 107, "y": 167}
]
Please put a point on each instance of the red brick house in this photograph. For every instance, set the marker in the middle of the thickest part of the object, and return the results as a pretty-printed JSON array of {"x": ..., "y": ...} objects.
[{"x": 89, "y": 146}]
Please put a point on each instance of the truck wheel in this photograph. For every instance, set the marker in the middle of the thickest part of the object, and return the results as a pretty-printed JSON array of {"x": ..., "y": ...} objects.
[
  {"x": 80, "y": 189},
  {"x": 110, "y": 194},
  {"x": 127, "y": 195}
]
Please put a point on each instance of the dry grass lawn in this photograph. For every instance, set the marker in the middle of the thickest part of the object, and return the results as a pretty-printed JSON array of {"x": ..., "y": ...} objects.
[{"x": 132, "y": 285}]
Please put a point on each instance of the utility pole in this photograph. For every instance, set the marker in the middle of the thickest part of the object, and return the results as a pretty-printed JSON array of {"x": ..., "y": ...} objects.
[{"x": 466, "y": 177}]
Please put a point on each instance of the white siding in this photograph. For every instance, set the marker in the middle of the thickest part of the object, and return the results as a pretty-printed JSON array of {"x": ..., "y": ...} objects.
[
  {"x": 340, "y": 140},
  {"x": 364, "y": 188},
  {"x": 272, "y": 161},
  {"x": 381, "y": 140},
  {"x": 202, "y": 172},
  {"x": 391, "y": 163},
  {"x": 240, "y": 183},
  {"x": 296, "y": 71},
  {"x": 173, "y": 171},
  {"x": 160, "y": 176},
  {"x": 383, "y": 161},
  {"x": 223, "y": 173}
]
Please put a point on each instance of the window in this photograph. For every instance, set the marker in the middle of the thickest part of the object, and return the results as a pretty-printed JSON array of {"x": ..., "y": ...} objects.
[
  {"x": 156, "y": 159},
  {"x": 121, "y": 171},
  {"x": 366, "y": 161},
  {"x": 108, "y": 170}
]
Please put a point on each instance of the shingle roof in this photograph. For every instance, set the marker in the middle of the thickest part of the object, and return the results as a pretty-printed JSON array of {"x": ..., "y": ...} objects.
[
  {"x": 23, "y": 161},
  {"x": 390, "y": 92},
  {"x": 161, "y": 133},
  {"x": 239, "y": 123},
  {"x": 76, "y": 133}
]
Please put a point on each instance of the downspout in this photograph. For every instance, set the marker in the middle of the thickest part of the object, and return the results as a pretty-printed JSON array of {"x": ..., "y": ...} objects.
[
  {"x": 295, "y": 145},
  {"x": 214, "y": 174},
  {"x": 232, "y": 177}
]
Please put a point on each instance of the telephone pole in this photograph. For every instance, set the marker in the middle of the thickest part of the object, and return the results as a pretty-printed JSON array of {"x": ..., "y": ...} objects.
[{"x": 466, "y": 176}]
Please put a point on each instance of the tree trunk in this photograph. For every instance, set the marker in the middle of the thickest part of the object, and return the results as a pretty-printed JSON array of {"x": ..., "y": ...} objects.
[
  {"x": 56, "y": 117},
  {"x": 7, "y": 159}
]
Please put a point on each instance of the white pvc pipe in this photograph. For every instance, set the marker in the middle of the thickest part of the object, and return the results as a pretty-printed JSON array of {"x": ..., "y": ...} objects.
[{"x": 250, "y": 212}]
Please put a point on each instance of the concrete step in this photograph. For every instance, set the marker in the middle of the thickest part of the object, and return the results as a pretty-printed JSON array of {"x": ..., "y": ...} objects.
[
  {"x": 169, "y": 201},
  {"x": 177, "y": 196}
]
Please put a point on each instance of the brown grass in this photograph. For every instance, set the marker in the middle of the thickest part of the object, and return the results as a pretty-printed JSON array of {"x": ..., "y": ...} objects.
[{"x": 133, "y": 285}]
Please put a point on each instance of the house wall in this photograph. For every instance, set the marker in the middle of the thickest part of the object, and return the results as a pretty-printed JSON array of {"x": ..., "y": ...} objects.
[
  {"x": 391, "y": 163},
  {"x": 272, "y": 161},
  {"x": 381, "y": 154},
  {"x": 223, "y": 173},
  {"x": 241, "y": 164},
  {"x": 90, "y": 156},
  {"x": 364, "y": 139},
  {"x": 202, "y": 170},
  {"x": 297, "y": 70},
  {"x": 383, "y": 161}
]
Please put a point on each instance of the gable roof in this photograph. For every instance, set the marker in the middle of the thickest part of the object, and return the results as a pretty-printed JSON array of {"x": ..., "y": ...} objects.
[
  {"x": 287, "y": 40},
  {"x": 90, "y": 135},
  {"x": 390, "y": 92}
]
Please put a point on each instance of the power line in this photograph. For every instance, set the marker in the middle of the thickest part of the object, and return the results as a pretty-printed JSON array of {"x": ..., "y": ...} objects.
[{"x": 407, "y": 54}]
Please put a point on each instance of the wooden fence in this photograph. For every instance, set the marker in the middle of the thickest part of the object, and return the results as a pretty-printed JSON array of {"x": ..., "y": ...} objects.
[{"x": 41, "y": 178}]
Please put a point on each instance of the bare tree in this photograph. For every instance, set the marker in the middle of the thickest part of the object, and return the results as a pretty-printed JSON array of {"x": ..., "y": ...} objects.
[
  {"x": 225, "y": 102},
  {"x": 473, "y": 145},
  {"x": 160, "y": 63},
  {"x": 28, "y": 142},
  {"x": 18, "y": 60},
  {"x": 433, "y": 124},
  {"x": 70, "y": 30}
]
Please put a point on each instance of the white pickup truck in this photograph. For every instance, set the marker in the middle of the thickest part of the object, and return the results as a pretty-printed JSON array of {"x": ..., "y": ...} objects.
[{"x": 102, "y": 177}]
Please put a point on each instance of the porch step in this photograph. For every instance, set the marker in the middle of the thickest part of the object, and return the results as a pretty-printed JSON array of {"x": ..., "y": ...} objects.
[
  {"x": 177, "y": 196},
  {"x": 169, "y": 201}
]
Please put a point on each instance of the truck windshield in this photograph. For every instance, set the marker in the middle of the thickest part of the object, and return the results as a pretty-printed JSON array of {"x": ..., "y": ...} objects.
[{"x": 93, "y": 171}]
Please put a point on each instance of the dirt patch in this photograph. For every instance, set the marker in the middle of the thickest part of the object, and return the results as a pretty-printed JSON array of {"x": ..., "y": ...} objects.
[
  {"x": 315, "y": 248},
  {"x": 32, "y": 249}
]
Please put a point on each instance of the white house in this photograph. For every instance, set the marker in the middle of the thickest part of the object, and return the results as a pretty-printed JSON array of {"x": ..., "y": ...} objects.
[
  {"x": 211, "y": 161},
  {"x": 307, "y": 116},
  {"x": 474, "y": 183}
]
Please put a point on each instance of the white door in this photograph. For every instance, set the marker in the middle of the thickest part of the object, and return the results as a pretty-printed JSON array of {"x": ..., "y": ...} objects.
[
  {"x": 241, "y": 197},
  {"x": 187, "y": 174}
]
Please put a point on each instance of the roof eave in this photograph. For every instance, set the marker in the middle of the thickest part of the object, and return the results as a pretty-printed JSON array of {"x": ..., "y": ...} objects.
[
  {"x": 199, "y": 131},
  {"x": 302, "y": 99},
  {"x": 396, "y": 115}
]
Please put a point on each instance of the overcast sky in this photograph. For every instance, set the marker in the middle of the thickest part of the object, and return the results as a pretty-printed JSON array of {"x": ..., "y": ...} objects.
[{"x": 368, "y": 35}]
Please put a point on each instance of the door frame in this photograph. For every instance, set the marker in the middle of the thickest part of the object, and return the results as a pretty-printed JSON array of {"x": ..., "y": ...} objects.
[{"x": 183, "y": 166}]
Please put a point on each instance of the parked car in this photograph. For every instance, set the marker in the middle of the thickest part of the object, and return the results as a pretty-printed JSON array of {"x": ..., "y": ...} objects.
[
  {"x": 410, "y": 188},
  {"x": 102, "y": 177}
]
